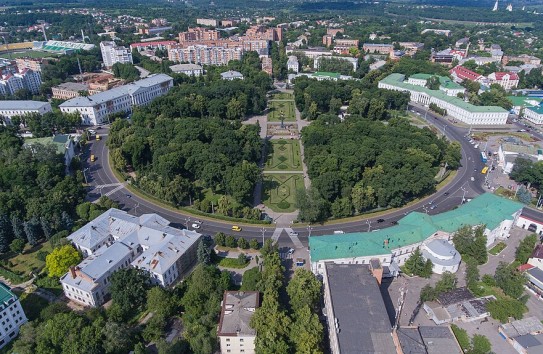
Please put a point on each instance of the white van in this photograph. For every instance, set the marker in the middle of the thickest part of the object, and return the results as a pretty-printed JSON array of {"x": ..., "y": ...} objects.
[{"x": 338, "y": 232}]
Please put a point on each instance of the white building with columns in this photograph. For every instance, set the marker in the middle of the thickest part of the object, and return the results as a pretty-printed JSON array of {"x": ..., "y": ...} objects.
[
  {"x": 455, "y": 107},
  {"x": 95, "y": 109}
]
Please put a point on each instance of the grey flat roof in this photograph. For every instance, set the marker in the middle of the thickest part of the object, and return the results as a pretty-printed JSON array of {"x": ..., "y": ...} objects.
[
  {"x": 439, "y": 340},
  {"x": 184, "y": 67},
  {"x": 532, "y": 214},
  {"x": 536, "y": 273},
  {"x": 455, "y": 296},
  {"x": 529, "y": 341},
  {"x": 411, "y": 341},
  {"x": 358, "y": 306},
  {"x": 236, "y": 311},
  {"x": 73, "y": 86},
  {"x": 448, "y": 254},
  {"x": 27, "y": 105}
]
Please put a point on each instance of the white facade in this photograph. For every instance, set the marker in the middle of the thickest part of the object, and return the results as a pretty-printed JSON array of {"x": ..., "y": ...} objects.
[
  {"x": 292, "y": 64},
  {"x": 444, "y": 257},
  {"x": 12, "y": 316},
  {"x": 352, "y": 61},
  {"x": 506, "y": 80},
  {"x": 455, "y": 107},
  {"x": 117, "y": 240},
  {"x": 96, "y": 108},
  {"x": 187, "y": 69},
  {"x": 534, "y": 114},
  {"x": 111, "y": 54},
  {"x": 231, "y": 75},
  {"x": 8, "y": 109}
]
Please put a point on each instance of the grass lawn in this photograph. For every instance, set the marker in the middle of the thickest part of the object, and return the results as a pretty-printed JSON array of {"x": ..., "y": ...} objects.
[
  {"x": 26, "y": 262},
  {"x": 497, "y": 249},
  {"x": 30, "y": 54},
  {"x": 278, "y": 191},
  {"x": 284, "y": 156},
  {"x": 276, "y": 107},
  {"x": 232, "y": 263},
  {"x": 283, "y": 96}
]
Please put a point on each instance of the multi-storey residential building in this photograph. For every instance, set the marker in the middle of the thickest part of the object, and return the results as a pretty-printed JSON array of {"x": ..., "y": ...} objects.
[
  {"x": 267, "y": 65},
  {"x": 111, "y": 54},
  {"x": 200, "y": 54},
  {"x": 207, "y": 22},
  {"x": 12, "y": 315},
  {"x": 372, "y": 48},
  {"x": 153, "y": 45},
  {"x": 235, "y": 334},
  {"x": 343, "y": 45},
  {"x": 26, "y": 79},
  {"x": 96, "y": 108},
  {"x": 262, "y": 32},
  {"x": 293, "y": 64},
  {"x": 327, "y": 40},
  {"x": 506, "y": 80},
  {"x": 7, "y": 66},
  {"x": 198, "y": 34},
  {"x": 8, "y": 109},
  {"x": 334, "y": 31},
  {"x": 454, "y": 106},
  {"x": 117, "y": 240}
]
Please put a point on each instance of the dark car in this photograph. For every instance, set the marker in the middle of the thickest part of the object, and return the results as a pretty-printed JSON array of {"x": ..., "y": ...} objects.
[
  {"x": 394, "y": 222},
  {"x": 446, "y": 193},
  {"x": 380, "y": 220}
]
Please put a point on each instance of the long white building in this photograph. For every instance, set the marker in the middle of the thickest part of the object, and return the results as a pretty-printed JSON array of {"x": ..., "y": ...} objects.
[
  {"x": 455, "y": 107},
  {"x": 392, "y": 246},
  {"x": 12, "y": 315},
  {"x": 112, "y": 53},
  {"x": 96, "y": 108},
  {"x": 117, "y": 240},
  {"x": 8, "y": 109},
  {"x": 534, "y": 114}
]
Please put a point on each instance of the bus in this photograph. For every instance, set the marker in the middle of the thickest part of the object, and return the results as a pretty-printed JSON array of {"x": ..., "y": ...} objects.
[
  {"x": 485, "y": 170},
  {"x": 483, "y": 157}
]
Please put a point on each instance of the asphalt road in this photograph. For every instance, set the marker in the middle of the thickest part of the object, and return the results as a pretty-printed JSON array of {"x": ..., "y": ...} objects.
[{"x": 99, "y": 173}]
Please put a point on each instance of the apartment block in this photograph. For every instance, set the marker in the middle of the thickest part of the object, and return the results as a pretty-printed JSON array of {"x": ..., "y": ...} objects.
[
  {"x": 235, "y": 333},
  {"x": 204, "y": 55},
  {"x": 112, "y": 54},
  {"x": 12, "y": 316}
]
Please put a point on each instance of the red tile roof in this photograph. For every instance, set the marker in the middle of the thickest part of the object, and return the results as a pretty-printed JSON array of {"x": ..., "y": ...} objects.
[
  {"x": 524, "y": 267},
  {"x": 499, "y": 75},
  {"x": 464, "y": 74}
]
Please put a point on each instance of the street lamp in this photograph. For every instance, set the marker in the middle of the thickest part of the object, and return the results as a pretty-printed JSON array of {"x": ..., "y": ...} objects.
[
  {"x": 187, "y": 222},
  {"x": 85, "y": 175},
  {"x": 464, "y": 195},
  {"x": 263, "y": 231},
  {"x": 136, "y": 209},
  {"x": 309, "y": 228},
  {"x": 369, "y": 225}
]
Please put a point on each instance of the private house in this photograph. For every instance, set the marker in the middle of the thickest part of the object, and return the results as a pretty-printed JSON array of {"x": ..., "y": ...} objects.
[
  {"x": 232, "y": 75},
  {"x": 117, "y": 240}
]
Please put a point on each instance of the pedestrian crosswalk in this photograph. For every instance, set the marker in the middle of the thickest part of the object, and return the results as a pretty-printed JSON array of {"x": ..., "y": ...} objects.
[
  {"x": 118, "y": 188},
  {"x": 276, "y": 234},
  {"x": 294, "y": 238},
  {"x": 107, "y": 185}
]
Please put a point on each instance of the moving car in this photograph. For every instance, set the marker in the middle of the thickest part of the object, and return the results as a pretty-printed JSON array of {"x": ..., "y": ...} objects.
[
  {"x": 293, "y": 233},
  {"x": 92, "y": 158},
  {"x": 196, "y": 224},
  {"x": 380, "y": 220},
  {"x": 236, "y": 228},
  {"x": 98, "y": 137},
  {"x": 339, "y": 232}
]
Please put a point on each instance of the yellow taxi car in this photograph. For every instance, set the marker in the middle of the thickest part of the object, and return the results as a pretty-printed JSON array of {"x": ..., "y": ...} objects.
[
  {"x": 236, "y": 228},
  {"x": 92, "y": 158}
]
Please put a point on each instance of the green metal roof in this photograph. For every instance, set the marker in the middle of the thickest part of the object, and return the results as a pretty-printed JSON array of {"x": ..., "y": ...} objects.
[
  {"x": 397, "y": 80},
  {"x": 325, "y": 73},
  {"x": 59, "y": 141},
  {"x": 416, "y": 227},
  {"x": 421, "y": 76},
  {"x": 449, "y": 84},
  {"x": 522, "y": 100},
  {"x": 5, "y": 293},
  {"x": 536, "y": 109}
]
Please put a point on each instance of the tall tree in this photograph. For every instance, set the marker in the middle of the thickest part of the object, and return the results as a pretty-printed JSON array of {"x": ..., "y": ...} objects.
[
  {"x": 6, "y": 233},
  {"x": 525, "y": 248},
  {"x": 128, "y": 290},
  {"x": 304, "y": 290},
  {"x": 60, "y": 260}
]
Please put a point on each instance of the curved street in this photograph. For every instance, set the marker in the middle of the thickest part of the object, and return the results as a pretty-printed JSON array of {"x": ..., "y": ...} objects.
[{"x": 103, "y": 182}]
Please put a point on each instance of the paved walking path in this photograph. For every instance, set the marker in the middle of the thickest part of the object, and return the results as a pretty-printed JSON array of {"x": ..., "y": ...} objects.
[{"x": 282, "y": 172}]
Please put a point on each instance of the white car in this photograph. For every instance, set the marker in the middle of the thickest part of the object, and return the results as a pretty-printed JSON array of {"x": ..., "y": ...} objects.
[
  {"x": 293, "y": 233},
  {"x": 196, "y": 224}
]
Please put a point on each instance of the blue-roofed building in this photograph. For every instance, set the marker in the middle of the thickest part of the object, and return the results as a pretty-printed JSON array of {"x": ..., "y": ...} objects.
[{"x": 392, "y": 246}]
